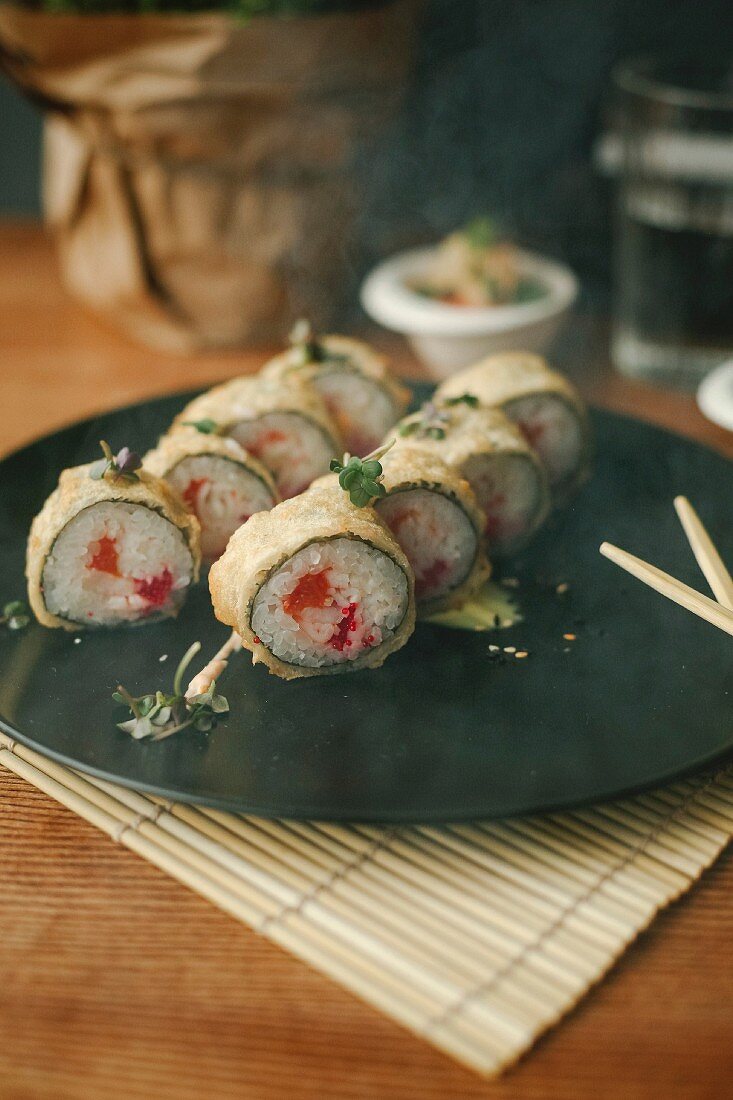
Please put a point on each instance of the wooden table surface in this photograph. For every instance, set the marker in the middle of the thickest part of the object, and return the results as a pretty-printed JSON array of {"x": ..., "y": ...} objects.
[{"x": 117, "y": 982}]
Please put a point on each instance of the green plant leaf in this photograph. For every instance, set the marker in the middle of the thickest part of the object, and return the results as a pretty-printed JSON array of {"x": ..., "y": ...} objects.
[{"x": 206, "y": 426}]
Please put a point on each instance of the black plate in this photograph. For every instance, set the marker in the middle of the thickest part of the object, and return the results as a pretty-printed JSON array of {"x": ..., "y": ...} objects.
[{"x": 440, "y": 732}]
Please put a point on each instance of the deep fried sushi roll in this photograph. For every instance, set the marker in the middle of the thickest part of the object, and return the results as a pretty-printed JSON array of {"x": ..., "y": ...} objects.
[
  {"x": 353, "y": 380},
  {"x": 106, "y": 550},
  {"x": 220, "y": 483},
  {"x": 490, "y": 452},
  {"x": 315, "y": 586},
  {"x": 434, "y": 515},
  {"x": 542, "y": 403},
  {"x": 287, "y": 427}
]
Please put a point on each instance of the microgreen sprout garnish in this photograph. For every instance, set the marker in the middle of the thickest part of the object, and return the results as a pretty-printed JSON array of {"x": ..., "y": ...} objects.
[
  {"x": 463, "y": 399},
  {"x": 15, "y": 615},
  {"x": 362, "y": 478},
  {"x": 206, "y": 426},
  {"x": 303, "y": 339},
  {"x": 431, "y": 423},
  {"x": 310, "y": 348},
  {"x": 119, "y": 467},
  {"x": 159, "y": 715}
]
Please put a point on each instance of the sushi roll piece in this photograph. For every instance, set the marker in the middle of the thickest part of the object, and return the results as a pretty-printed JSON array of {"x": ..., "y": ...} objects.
[
  {"x": 110, "y": 550},
  {"x": 542, "y": 403},
  {"x": 287, "y": 427},
  {"x": 484, "y": 447},
  {"x": 353, "y": 380},
  {"x": 220, "y": 483},
  {"x": 315, "y": 586},
  {"x": 433, "y": 513}
]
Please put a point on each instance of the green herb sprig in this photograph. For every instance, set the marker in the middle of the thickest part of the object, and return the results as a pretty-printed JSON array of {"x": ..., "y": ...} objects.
[
  {"x": 305, "y": 342},
  {"x": 430, "y": 423},
  {"x": 15, "y": 615},
  {"x": 310, "y": 349},
  {"x": 481, "y": 233},
  {"x": 463, "y": 399},
  {"x": 119, "y": 467},
  {"x": 362, "y": 478},
  {"x": 206, "y": 426},
  {"x": 159, "y": 715},
  {"x": 433, "y": 420}
]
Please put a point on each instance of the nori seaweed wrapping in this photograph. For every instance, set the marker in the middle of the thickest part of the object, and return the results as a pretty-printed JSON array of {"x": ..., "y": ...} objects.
[
  {"x": 269, "y": 539},
  {"x": 76, "y": 491},
  {"x": 412, "y": 468}
]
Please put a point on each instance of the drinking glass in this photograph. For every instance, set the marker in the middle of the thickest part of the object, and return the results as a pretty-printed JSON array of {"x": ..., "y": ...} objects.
[{"x": 673, "y": 317}]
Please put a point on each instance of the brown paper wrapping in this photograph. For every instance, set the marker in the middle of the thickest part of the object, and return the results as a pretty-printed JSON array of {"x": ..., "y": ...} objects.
[{"x": 200, "y": 172}]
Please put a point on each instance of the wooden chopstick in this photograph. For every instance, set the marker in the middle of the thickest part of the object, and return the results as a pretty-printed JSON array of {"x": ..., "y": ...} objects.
[
  {"x": 673, "y": 589},
  {"x": 707, "y": 556}
]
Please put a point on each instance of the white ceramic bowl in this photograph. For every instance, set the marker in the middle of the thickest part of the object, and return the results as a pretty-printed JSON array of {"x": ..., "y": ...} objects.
[
  {"x": 450, "y": 337},
  {"x": 715, "y": 395}
]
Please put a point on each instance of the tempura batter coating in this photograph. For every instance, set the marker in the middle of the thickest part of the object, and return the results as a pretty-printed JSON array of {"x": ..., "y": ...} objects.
[
  {"x": 269, "y": 539},
  {"x": 76, "y": 491}
]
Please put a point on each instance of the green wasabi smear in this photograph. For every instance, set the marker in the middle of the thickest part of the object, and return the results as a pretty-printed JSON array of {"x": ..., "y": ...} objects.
[{"x": 490, "y": 609}]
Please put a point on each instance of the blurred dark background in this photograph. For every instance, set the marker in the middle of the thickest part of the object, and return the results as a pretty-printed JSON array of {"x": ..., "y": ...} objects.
[{"x": 502, "y": 116}]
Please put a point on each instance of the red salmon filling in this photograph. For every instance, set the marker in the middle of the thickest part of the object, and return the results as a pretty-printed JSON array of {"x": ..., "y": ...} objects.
[
  {"x": 313, "y": 592},
  {"x": 433, "y": 578},
  {"x": 509, "y": 490},
  {"x": 191, "y": 493},
  {"x": 437, "y": 536},
  {"x": 292, "y": 446},
  {"x": 553, "y": 428},
  {"x": 222, "y": 493},
  {"x": 155, "y": 590},
  {"x": 117, "y": 561},
  {"x": 105, "y": 557},
  {"x": 329, "y": 603},
  {"x": 362, "y": 409}
]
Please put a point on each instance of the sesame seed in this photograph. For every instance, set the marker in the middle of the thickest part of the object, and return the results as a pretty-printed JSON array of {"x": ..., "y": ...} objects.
[
  {"x": 522, "y": 653},
  {"x": 494, "y": 648},
  {"x": 570, "y": 637},
  {"x": 562, "y": 588},
  {"x": 163, "y": 658},
  {"x": 77, "y": 641},
  {"x": 510, "y": 649}
]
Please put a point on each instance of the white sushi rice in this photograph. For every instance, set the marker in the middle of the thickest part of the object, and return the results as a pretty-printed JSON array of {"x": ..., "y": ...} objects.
[
  {"x": 552, "y": 427},
  {"x": 222, "y": 493},
  {"x": 153, "y": 561},
  {"x": 293, "y": 448},
  {"x": 362, "y": 409},
  {"x": 509, "y": 493},
  {"x": 437, "y": 536},
  {"x": 364, "y": 600}
]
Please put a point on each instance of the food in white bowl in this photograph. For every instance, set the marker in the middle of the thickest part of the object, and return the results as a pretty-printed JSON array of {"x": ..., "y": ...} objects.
[
  {"x": 476, "y": 267},
  {"x": 460, "y": 301}
]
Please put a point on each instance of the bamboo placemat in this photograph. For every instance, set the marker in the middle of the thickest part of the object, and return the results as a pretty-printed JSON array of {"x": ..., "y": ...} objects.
[{"x": 477, "y": 937}]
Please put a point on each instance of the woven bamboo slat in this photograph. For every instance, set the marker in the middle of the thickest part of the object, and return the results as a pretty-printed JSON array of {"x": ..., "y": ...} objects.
[{"x": 477, "y": 937}]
